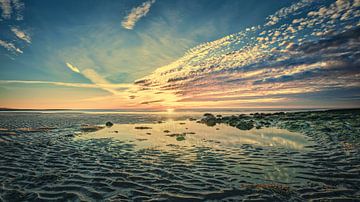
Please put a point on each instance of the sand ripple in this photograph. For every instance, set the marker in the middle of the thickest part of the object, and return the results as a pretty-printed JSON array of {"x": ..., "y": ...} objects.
[{"x": 53, "y": 166}]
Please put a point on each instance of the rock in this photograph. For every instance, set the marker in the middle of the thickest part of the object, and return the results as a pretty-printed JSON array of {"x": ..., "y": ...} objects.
[
  {"x": 180, "y": 138},
  {"x": 166, "y": 131},
  {"x": 142, "y": 127},
  {"x": 210, "y": 122},
  {"x": 109, "y": 124},
  {"x": 208, "y": 115},
  {"x": 192, "y": 119},
  {"x": 91, "y": 128},
  {"x": 245, "y": 125},
  {"x": 233, "y": 123},
  {"x": 209, "y": 119}
]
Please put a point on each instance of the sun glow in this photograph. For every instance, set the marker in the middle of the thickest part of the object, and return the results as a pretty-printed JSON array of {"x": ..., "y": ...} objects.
[{"x": 170, "y": 110}]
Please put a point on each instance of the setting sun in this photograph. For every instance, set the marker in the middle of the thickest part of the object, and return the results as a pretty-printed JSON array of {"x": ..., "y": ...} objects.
[{"x": 170, "y": 110}]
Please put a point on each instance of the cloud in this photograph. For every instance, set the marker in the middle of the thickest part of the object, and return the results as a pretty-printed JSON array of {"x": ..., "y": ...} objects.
[
  {"x": 136, "y": 14},
  {"x": 77, "y": 85},
  {"x": 9, "y": 6},
  {"x": 19, "y": 8},
  {"x": 6, "y": 8},
  {"x": 274, "y": 60},
  {"x": 10, "y": 47},
  {"x": 10, "y": 10},
  {"x": 97, "y": 79},
  {"x": 21, "y": 34},
  {"x": 72, "y": 67},
  {"x": 150, "y": 102}
]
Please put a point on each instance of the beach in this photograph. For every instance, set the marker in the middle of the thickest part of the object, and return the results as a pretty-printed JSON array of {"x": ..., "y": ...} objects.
[{"x": 274, "y": 156}]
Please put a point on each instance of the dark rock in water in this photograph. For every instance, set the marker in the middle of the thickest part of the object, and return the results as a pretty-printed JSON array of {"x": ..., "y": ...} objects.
[
  {"x": 91, "y": 128},
  {"x": 209, "y": 119},
  {"x": 208, "y": 115},
  {"x": 233, "y": 123},
  {"x": 142, "y": 127},
  {"x": 279, "y": 113},
  {"x": 109, "y": 124},
  {"x": 180, "y": 138},
  {"x": 70, "y": 135},
  {"x": 210, "y": 122},
  {"x": 258, "y": 127},
  {"x": 245, "y": 125}
]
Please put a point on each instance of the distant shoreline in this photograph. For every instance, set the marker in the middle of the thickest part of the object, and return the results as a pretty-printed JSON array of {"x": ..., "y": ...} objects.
[{"x": 235, "y": 110}]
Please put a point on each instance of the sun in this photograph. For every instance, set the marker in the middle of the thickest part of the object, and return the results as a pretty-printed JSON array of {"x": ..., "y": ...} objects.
[{"x": 170, "y": 110}]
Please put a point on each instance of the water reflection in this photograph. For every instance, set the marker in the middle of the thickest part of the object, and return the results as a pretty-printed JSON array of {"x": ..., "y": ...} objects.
[{"x": 166, "y": 135}]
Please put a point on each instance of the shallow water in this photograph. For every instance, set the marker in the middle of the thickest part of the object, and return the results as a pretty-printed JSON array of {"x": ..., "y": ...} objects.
[
  {"x": 208, "y": 163},
  {"x": 165, "y": 135}
]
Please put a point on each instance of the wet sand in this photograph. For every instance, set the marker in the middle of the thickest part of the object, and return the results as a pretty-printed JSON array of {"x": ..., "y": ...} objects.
[{"x": 291, "y": 157}]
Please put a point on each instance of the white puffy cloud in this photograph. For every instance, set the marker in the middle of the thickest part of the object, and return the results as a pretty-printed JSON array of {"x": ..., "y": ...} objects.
[
  {"x": 8, "y": 8},
  {"x": 21, "y": 34},
  {"x": 10, "y": 47},
  {"x": 13, "y": 10}
]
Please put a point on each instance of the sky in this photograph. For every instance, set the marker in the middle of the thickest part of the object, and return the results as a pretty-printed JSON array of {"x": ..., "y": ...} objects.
[{"x": 174, "y": 54}]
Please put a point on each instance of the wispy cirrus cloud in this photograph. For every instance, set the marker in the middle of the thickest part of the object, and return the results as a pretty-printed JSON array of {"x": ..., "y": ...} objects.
[
  {"x": 98, "y": 80},
  {"x": 78, "y": 85},
  {"x": 136, "y": 14}
]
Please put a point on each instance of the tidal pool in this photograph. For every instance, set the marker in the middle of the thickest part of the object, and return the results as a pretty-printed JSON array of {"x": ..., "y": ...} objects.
[{"x": 190, "y": 133}]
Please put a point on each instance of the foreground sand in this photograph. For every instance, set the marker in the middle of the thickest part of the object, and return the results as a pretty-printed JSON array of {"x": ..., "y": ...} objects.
[{"x": 285, "y": 156}]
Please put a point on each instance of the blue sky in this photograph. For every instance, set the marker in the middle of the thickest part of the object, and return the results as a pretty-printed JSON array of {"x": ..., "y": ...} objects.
[{"x": 93, "y": 51}]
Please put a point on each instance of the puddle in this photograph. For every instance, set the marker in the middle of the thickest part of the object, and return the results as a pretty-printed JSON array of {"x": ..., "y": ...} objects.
[{"x": 190, "y": 133}]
